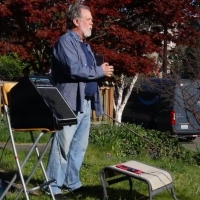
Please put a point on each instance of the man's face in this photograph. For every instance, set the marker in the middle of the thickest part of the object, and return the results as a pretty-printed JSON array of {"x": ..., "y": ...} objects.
[{"x": 85, "y": 23}]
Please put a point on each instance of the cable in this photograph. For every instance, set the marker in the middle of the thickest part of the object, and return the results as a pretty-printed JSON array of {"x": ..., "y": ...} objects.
[
  {"x": 145, "y": 139},
  {"x": 151, "y": 173},
  {"x": 4, "y": 148}
]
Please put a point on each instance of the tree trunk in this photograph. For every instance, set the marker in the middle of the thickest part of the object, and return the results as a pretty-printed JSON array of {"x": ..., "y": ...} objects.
[
  {"x": 121, "y": 101},
  {"x": 118, "y": 117}
]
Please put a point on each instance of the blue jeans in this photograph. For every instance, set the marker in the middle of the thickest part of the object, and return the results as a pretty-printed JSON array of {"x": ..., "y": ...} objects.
[{"x": 67, "y": 152}]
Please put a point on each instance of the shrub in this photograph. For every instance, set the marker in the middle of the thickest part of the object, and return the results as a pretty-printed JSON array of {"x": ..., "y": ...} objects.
[
  {"x": 10, "y": 66},
  {"x": 129, "y": 139}
]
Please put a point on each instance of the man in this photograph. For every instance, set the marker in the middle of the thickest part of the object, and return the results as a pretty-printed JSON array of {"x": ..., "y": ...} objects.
[{"x": 75, "y": 73}]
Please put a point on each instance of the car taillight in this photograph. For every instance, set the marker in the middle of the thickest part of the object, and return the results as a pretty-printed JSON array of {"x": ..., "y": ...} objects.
[{"x": 172, "y": 117}]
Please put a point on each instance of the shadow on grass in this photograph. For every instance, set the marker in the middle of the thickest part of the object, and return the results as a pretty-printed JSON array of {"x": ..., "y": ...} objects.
[
  {"x": 93, "y": 192},
  {"x": 96, "y": 192},
  {"x": 16, "y": 186}
]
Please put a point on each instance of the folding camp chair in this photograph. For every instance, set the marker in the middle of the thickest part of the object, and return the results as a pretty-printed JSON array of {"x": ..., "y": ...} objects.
[
  {"x": 5, "y": 90},
  {"x": 157, "y": 179}
]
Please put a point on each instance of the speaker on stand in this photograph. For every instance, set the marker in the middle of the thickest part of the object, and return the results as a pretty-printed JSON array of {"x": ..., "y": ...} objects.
[{"x": 35, "y": 102}]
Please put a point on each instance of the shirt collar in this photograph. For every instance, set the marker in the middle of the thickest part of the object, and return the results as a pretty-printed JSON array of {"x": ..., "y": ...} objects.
[{"x": 76, "y": 36}]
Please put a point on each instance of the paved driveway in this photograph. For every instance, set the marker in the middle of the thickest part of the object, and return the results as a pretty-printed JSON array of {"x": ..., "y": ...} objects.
[
  {"x": 193, "y": 145},
  {"x": 22, "y": 146}
]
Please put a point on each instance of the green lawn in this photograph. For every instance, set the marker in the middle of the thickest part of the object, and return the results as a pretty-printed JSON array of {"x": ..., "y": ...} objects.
[
  {"x": 185, "y": 177},
  {"x": 110, "y": 145}
]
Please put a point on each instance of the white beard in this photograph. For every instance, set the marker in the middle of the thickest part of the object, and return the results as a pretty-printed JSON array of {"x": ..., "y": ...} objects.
[{"x": 86, "y": 33}]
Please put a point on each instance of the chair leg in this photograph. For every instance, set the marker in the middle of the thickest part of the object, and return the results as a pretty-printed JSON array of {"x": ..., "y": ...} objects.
[
  {"x": 20, "y": 172},
  {"x": 150, "y": 192},
  {"x": 173, "y": 194},
  {"x": 104, "y": 185},
  {"x": 20, "y": 167},
  {"x": 16, "y": 156},
  {"x": 39, "y": 162},
  {"x": 8, "y": 187},
  {"x": 130, "y": 185}
]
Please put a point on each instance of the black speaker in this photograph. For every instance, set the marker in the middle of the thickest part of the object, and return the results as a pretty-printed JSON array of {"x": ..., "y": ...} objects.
[{"x": 35, "y": 102}]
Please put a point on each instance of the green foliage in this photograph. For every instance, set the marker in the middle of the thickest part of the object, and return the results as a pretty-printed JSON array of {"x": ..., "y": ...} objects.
[
  {"x": 197, "y": 155},
  {"x": 125, "y": 140},
  {"x": 3, "y": 123},
  {"x": 10, "y": 66},
  {"x": 129, "y": 139},
  {"x": 110, "y": 144}
]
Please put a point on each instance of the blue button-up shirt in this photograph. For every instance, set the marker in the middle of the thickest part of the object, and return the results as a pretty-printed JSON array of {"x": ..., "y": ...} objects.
[
  {"x": 70, "y": 72},
  {"x": 91, "y": 87}
]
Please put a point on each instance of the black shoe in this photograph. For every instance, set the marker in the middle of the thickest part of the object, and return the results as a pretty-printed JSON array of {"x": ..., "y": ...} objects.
[
  {"x": 60, "y": 197},
  {"x": 82, "y": 190}
]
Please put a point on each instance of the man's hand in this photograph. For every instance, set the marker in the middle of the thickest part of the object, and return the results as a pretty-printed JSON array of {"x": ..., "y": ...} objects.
[{"x": 107, "y": 69}]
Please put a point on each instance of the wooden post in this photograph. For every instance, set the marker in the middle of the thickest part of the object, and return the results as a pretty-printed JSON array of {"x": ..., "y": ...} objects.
[
  {"x": 107, "y": 96},
  {"x": 111, "y": 106}
]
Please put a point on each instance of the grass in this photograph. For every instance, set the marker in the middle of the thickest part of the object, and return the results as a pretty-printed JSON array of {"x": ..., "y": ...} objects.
[
  {"x": 101, "y": 153},
  {"x": 185, "y": 177}
]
